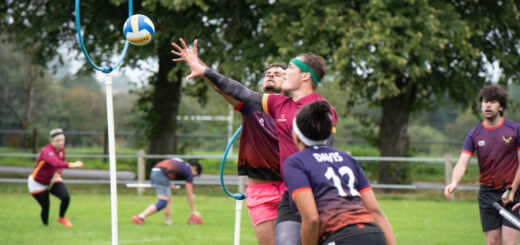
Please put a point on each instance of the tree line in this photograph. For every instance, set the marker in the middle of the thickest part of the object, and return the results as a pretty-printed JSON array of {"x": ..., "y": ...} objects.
[{"x": 399, "y": 57}]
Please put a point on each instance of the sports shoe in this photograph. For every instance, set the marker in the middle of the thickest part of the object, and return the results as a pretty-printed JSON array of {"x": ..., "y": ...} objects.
[
  {"x": 65, "y": 222},
  {"x": 137, "y": 220}
]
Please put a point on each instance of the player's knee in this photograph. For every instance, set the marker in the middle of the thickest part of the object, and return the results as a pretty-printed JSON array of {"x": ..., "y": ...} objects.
[
  {"x": 160, "y": 204},
  {"x": 65, "y": 198},
  {"x": 287, "y": 232}
]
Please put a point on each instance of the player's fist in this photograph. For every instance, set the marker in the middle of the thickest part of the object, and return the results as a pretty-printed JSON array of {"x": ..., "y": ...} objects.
[
  {"x": 507, "y": 197},
  {"x": 78, "y": 164},
  {"x": 449, "y": 189}
]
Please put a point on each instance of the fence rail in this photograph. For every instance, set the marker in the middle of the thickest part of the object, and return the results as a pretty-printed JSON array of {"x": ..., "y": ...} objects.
[{"x": 140, "y": 156}]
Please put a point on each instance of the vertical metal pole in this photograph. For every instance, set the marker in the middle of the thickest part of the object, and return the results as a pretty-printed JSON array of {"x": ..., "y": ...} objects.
[
  {"x": 140, "y": 170},
  {"x": 238, "y": 215},
  {"x": 112, "y": 157},
  {"x": 448, "y": 168},
  {"x": 35, "y": 142}
]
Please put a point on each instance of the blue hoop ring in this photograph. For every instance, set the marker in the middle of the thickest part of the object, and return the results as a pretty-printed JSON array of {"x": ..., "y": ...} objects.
[
  {"x": 105, "y": 69},
  {"x": 237, "y": 196}
]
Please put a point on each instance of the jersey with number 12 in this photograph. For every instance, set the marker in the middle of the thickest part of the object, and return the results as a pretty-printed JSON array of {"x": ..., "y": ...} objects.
[{"x": 336, "y": 181}]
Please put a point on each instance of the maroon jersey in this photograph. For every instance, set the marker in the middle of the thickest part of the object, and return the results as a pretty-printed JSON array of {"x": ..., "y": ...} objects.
[
  {"x": 283, "y": 109},
  {"x": 496, "y": 152},
  {"x": 258, "y": 155},
  {"x": 49, "y": 162},
  {"x": 176, "y": 169}
]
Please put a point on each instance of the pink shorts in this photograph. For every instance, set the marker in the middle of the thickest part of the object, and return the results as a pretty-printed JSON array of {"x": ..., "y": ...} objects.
[{"x": 262, "y": 201}]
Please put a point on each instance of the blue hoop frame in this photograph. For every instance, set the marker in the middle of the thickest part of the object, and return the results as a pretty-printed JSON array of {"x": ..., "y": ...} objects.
[
  {"x": 105, "y": 69},
  {"x": 237, "y": 196}
]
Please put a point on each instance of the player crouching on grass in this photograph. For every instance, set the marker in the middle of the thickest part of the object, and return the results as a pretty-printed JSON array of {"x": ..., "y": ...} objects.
[
  {"x": 46, "y": 177},
  {"x": 497, "y": 143},
  {"x": 328, "y": 187},
  {"x": 161, "y": 174}
]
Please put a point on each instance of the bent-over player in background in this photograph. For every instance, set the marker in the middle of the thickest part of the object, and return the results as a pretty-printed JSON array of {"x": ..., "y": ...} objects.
[{"x": 161, "y": 174}]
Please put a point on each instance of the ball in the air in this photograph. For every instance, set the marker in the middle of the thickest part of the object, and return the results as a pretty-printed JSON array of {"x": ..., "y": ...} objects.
[
  {"x": 138, "y": 30},
  {"x": 194, "y": 220}
]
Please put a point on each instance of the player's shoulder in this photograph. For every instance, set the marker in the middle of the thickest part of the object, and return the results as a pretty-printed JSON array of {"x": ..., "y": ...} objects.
[
  {"x": 296, "y": 158},
  {"x": 511, "y": 124},
  {"x": 47, "y": 148},
  {"x": 476, "y": 129},
  {"x": 277, "y": 97}
]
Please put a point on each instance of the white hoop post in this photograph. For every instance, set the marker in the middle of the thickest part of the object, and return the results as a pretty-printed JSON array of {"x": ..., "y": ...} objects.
[
  {"x": 112, "y": 157},
  {"x": 238, "y": 214}
]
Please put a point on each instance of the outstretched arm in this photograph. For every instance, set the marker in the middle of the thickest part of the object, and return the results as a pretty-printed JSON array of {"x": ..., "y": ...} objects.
[
  {"x": 233, "y": 102},
  {"x": 228, "y": 86}
]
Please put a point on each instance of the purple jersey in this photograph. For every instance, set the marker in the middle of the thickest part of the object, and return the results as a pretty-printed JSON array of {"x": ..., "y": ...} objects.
[
  {"x": 258, "y": 155},
  {"x": 336, "y": 181},
  {"x": 283, "y": 109},
  {"x": 496, "y": 152},
  {"x": 176, "y": 169}
]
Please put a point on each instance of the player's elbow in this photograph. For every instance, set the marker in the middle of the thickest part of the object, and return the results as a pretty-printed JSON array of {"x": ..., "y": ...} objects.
[
  {"x": 312, "y": 221},
  {"x": 375, "y": 211}
]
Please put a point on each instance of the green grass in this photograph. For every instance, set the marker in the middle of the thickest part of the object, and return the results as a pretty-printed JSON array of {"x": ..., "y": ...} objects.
[
  {"x": 416, "y": 218},
  {"x": 89, "y": 212}
]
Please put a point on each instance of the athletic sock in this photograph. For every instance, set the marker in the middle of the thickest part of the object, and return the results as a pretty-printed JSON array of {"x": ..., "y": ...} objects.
[
  {"x": 141, "y": 216},
  {"x": 168, "y": 223}
]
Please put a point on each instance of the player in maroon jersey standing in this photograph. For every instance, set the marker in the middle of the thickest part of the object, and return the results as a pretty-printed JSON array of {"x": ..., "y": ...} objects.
[
  {"x": 302, "y": 77},
  {"x": 46, "y": 177},
  {"x": 497, "y": 144},
  {"x": 259, "y": 158}
]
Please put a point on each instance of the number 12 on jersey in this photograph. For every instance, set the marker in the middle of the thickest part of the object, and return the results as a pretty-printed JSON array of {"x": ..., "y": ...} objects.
[{"x": 331, "y": 175}]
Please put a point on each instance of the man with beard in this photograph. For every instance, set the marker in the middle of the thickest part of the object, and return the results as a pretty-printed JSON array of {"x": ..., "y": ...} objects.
[{"x": 259, "y": 157}]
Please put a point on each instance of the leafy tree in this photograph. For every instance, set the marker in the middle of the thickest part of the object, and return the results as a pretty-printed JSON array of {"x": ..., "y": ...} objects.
[
  {"x": 402, "y": 55},
  {"x": 228, "y": 31}
]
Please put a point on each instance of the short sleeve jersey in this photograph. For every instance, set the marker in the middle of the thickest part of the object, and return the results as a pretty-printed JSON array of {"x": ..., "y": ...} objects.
[
  {"x": 176, "y": 169},
  {"x": 336, "y": 181},
  {"x": 258, "y": 155},
  {"x": 49, "y": 163},
  {"x": 283, "y": 109},
  {"x": 496, "y": 149}
]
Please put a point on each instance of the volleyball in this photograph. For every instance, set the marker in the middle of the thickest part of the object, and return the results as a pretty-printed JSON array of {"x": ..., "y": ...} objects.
[{"x": 138, "y": 30}]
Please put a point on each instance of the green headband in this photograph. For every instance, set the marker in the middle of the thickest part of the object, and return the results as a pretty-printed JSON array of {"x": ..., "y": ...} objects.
[{"x": 306, "y": 68}]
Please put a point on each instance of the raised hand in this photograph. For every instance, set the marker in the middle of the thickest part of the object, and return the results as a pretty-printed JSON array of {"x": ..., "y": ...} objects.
[{"x": 190, "y": 56}]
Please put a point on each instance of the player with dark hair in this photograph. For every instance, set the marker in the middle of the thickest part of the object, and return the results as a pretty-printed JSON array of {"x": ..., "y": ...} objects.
[
  {"x": 46, "y": 177},
  {"x": 161, "y": 174},
  {"x": 329, "y": 188},
  {"x": 259, "y": 158},
  {"x": 497, "y": 143},
  {"x": 302, "y": 77}
]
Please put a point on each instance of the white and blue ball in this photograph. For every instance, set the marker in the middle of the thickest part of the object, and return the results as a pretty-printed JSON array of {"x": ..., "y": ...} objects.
[{"x": 138, "y": 30}]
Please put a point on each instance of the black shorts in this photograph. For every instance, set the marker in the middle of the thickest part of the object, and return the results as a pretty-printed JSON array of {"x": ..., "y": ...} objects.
[
  {"x": 285, "y": 212},
  {"x": 366, "y": 234},
  {"x": 489, "y": 216}
]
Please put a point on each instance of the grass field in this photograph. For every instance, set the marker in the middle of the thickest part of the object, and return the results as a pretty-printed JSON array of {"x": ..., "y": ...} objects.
[{"x": 416, "y": 219}]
